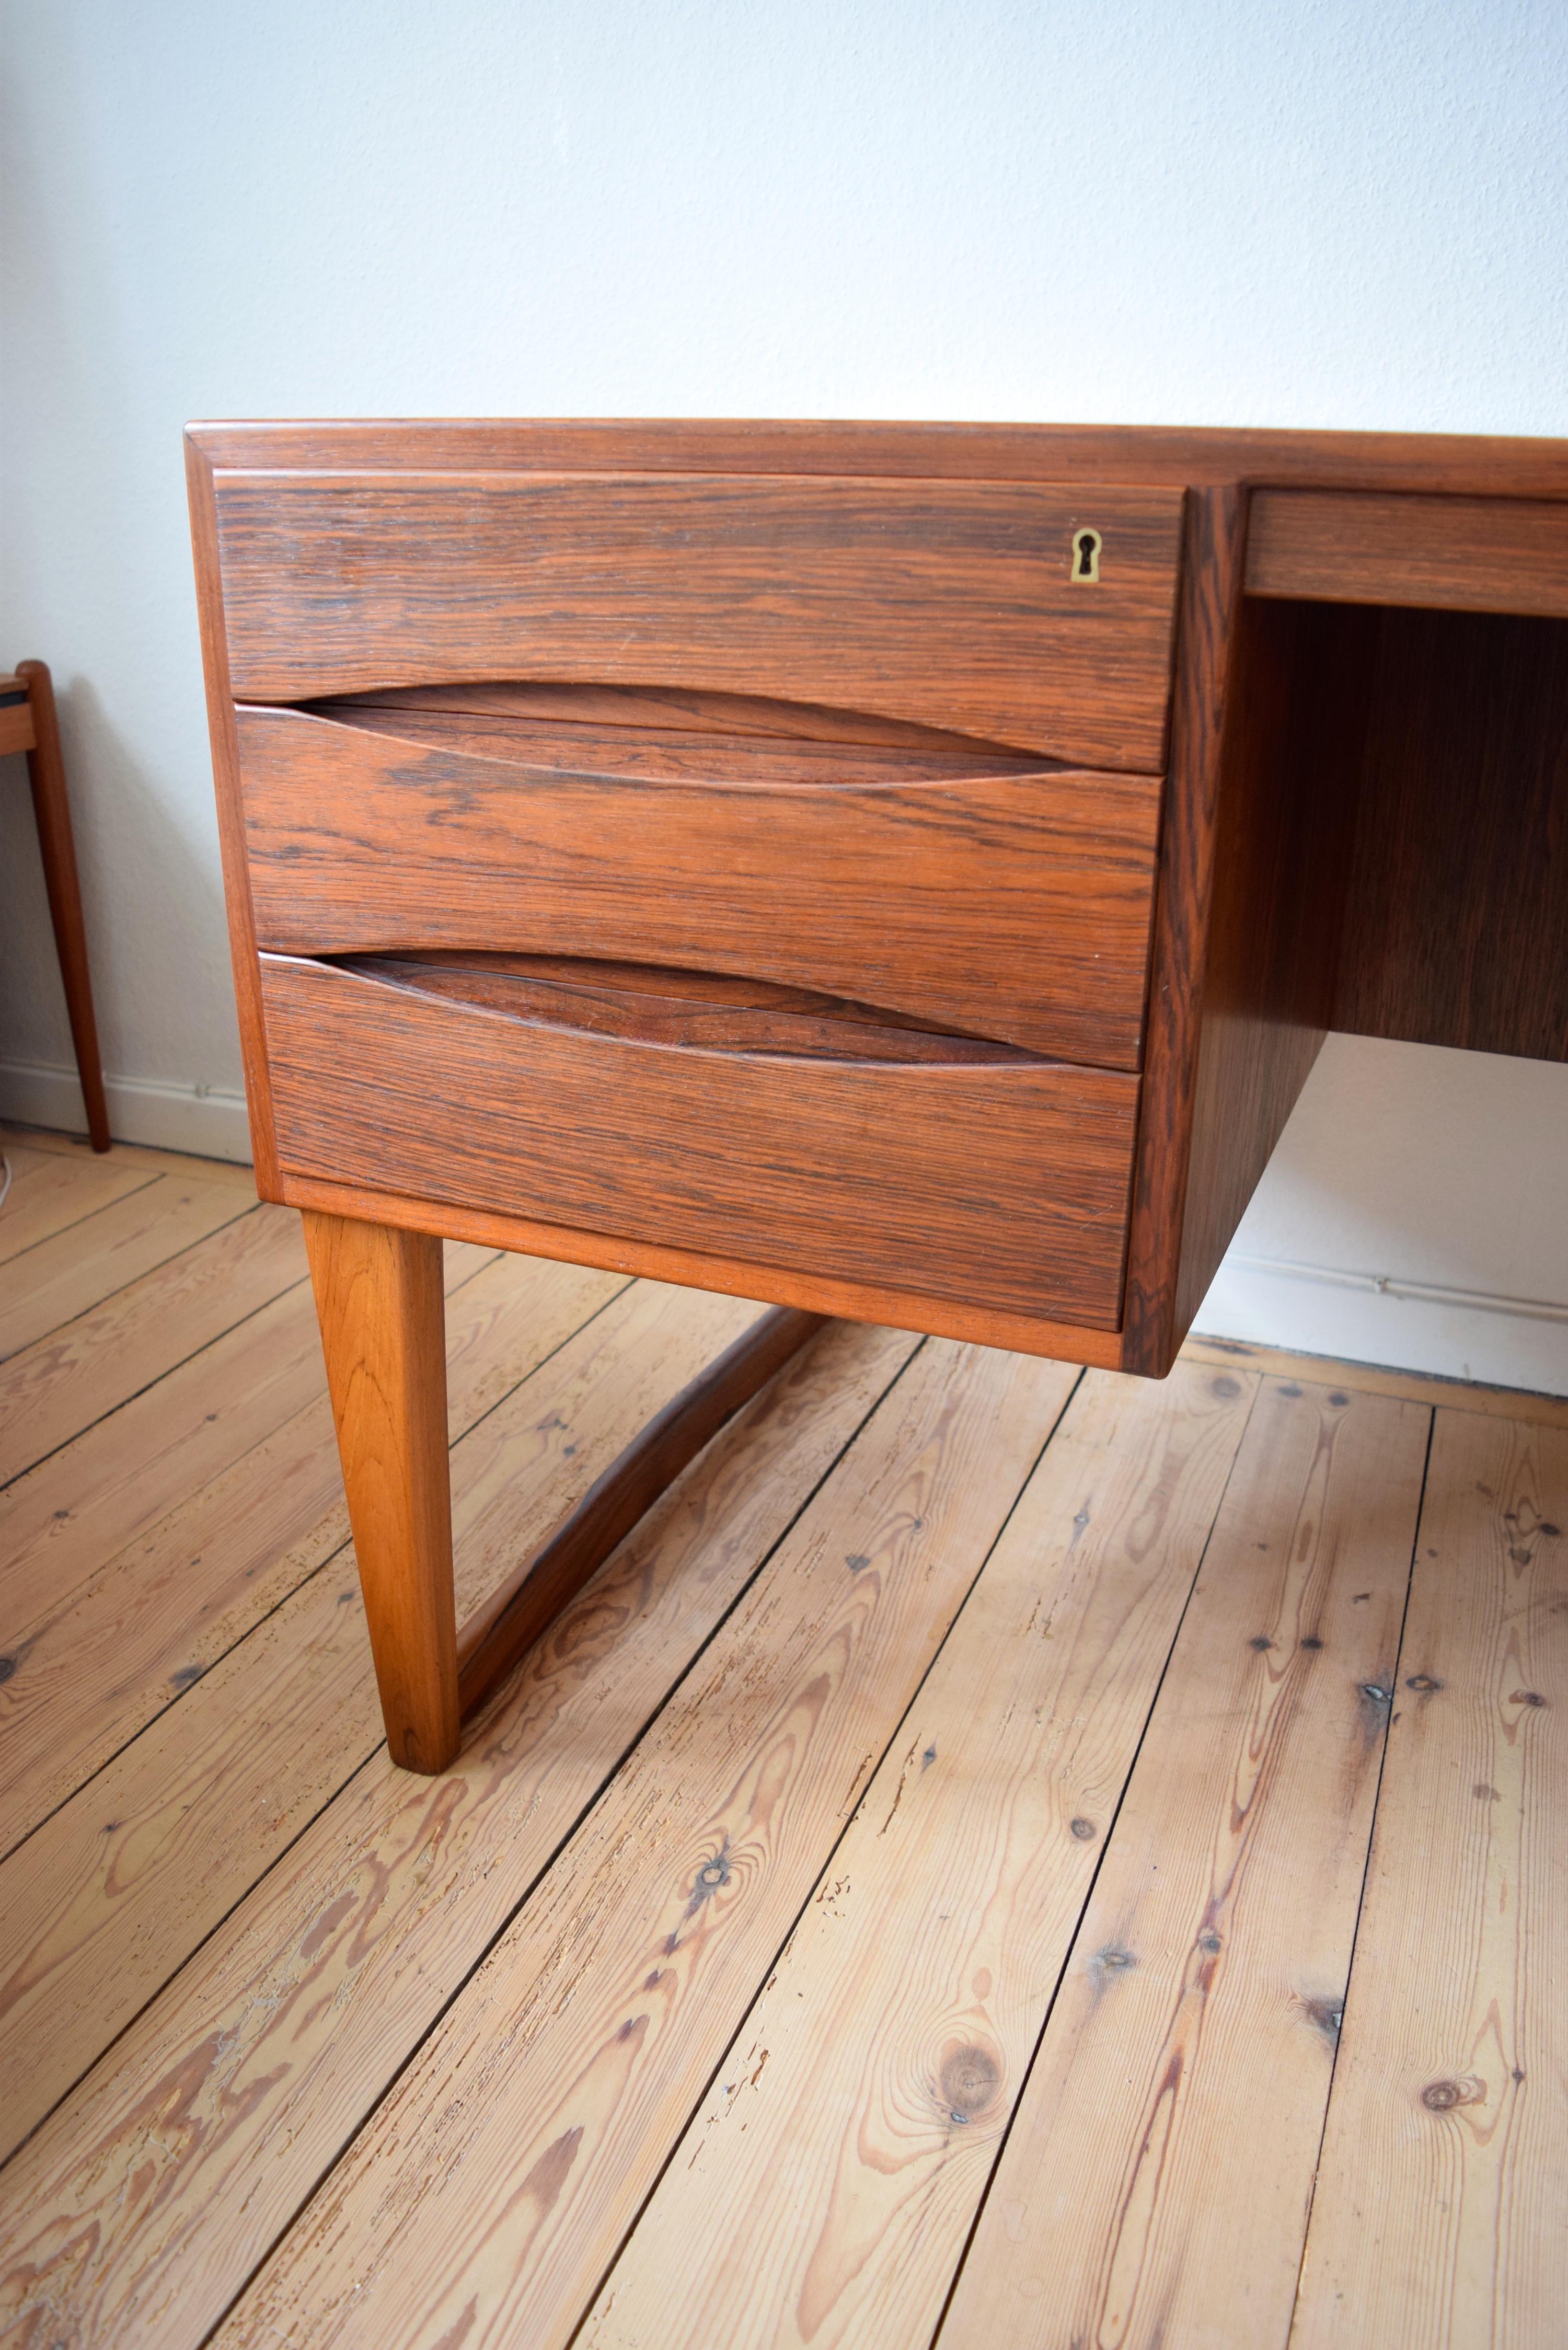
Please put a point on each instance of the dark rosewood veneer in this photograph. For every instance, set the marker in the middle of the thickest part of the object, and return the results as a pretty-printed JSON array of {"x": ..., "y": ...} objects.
[{"x": 901, "y": 872}]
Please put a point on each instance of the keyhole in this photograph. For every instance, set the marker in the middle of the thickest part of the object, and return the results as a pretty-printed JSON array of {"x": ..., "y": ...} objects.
[{"x": 1085, "y": 558}]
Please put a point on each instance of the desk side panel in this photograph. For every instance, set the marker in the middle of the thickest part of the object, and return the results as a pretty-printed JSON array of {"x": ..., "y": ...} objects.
[
  {"x": 231, "y": 817},
  {"x": 1268, "y": 721}
]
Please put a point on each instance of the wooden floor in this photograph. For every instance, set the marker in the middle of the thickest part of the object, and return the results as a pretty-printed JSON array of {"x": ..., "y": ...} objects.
[{"x": 1001, "y": 1856}]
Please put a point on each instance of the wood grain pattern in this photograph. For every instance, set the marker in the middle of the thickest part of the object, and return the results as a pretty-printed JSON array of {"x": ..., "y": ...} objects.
[
  {"x": 1457, "y": 927},
  {"x": 494, "y": 1638},
  {"x": 1479, "y": 555},
  {"x": 1439, "y": 2217},
  {"x": 107, "y": 1897},
  {"x": 852, "y": 1301},
  {"x": 883, "y": 524},
  {"x": 67, "y": 1277},
  {"x": 42, "y": 1201},
  {"x": 303, "y": 1959},
  {"x": 668, "y": 730},
  {"x": 999, "y": 1187},
  {"x": 1154, "y": 2188},
  {"x": 824, "y": 2191},
  {"x": 665, "y": 731},
  {"x": 563, "y": 2069},
  {"x": 1213, "y": 548},
  {"x": 201, "y": 1504},
  {"x": 98, "y": 1916},
  {"x": 61, "y": 1519},
  {"x": 337, "y": 1967},
  {"x": 1266, "y": 748},
  {"x": 949, "y": 605},
  {"x": 1372, "y": 1379},
  {"x": 54, "y": 1390},
  {"x": 231, "y": 812},
  {"x": 1289, "y": 765},
  {"x": 654, "y": 1005},
  {"x": 383, "y": 1331},
  {"x": 1016, "y": 907},
  {"x": 1450, "y": 464}
]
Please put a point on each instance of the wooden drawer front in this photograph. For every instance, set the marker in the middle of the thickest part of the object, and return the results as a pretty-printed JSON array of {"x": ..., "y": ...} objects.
[
  {"x": 1013, "y": 906},
  {"x": 1001, "y": 1186},
  {"x": 951, "y": 604}
]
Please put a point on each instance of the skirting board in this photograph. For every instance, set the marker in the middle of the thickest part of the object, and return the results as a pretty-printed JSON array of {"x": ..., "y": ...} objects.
[
  {"x": 163, "y": 1116},
  {"x": 1450, "y": 1333}
]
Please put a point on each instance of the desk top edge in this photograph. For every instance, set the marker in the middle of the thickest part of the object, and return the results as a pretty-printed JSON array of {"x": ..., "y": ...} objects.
[{"x": 1450, "y": 464}]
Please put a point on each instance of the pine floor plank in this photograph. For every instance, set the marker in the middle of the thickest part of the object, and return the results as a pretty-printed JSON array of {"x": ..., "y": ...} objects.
[
  {"x": 68, "y": 1275},
  {"x": 62, "y": 1384},
  {"x": 1441, "y": 2212},
  {"x": 93, "y": 1667},
  {"x": 48, "y": 1193},
  {"x": 24, "y": 1151},
  {"x": 60, "y": 1520},
  {"x": 139, "y": 2209},
  {"x": 824, "y": 2191},
  {"x": 1378, "y": 1378},
  {"x": 1153, "y": 2192},
  {"x": 105, "y": 1900},
  {"x": 310, "y": 2051},
  {"x": 490, "y": 2189}
]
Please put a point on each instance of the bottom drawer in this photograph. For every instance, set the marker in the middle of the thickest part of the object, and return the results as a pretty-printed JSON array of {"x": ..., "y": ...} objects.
[{"x": 997, "y": 1184}]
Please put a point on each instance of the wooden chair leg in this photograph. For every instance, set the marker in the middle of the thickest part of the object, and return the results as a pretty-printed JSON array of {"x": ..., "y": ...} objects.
[
  {"x": 379, "y": 1301},
  {"x": 47, "y": 773}
]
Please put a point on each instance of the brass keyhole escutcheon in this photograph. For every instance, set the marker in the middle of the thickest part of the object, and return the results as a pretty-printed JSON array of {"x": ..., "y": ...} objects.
[{"x": 1085, "y": 571}]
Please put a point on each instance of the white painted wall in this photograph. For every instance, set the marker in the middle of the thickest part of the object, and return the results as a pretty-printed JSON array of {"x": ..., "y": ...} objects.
[
  {"x": 1415, "y": 1211},
  {"x": 1254, "y": 212}
]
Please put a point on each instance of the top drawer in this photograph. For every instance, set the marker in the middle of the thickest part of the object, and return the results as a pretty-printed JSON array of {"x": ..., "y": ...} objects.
[{"x": 962, "y": 604}]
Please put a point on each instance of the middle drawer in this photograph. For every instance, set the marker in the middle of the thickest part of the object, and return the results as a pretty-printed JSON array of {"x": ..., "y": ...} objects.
[{"x": 1012, "y": 904}]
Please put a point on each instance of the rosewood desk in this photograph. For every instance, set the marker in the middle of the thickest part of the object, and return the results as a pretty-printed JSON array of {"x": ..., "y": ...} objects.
[{"x": 896, "y": 871}]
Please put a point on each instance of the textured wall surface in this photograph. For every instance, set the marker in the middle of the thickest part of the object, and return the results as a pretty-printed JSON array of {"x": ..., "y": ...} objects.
[{"x": 1257, "y": 211}]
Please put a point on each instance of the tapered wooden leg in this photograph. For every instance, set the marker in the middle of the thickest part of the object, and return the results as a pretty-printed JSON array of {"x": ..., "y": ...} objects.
[
  {"x": 47, "y": 774},
  {"x": 379, "y": 1301}
]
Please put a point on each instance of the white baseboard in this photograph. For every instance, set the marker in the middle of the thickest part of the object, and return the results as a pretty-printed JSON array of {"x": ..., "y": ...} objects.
[
  {"x": 165, "y": 1116},
  {"x": 1416, "y": 1325}
]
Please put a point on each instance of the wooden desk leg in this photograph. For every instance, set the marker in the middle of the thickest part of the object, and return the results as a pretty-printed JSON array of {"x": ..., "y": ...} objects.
[
  {"x": 379, "y": 1298},
  {"x": 47, "y": 774}
]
